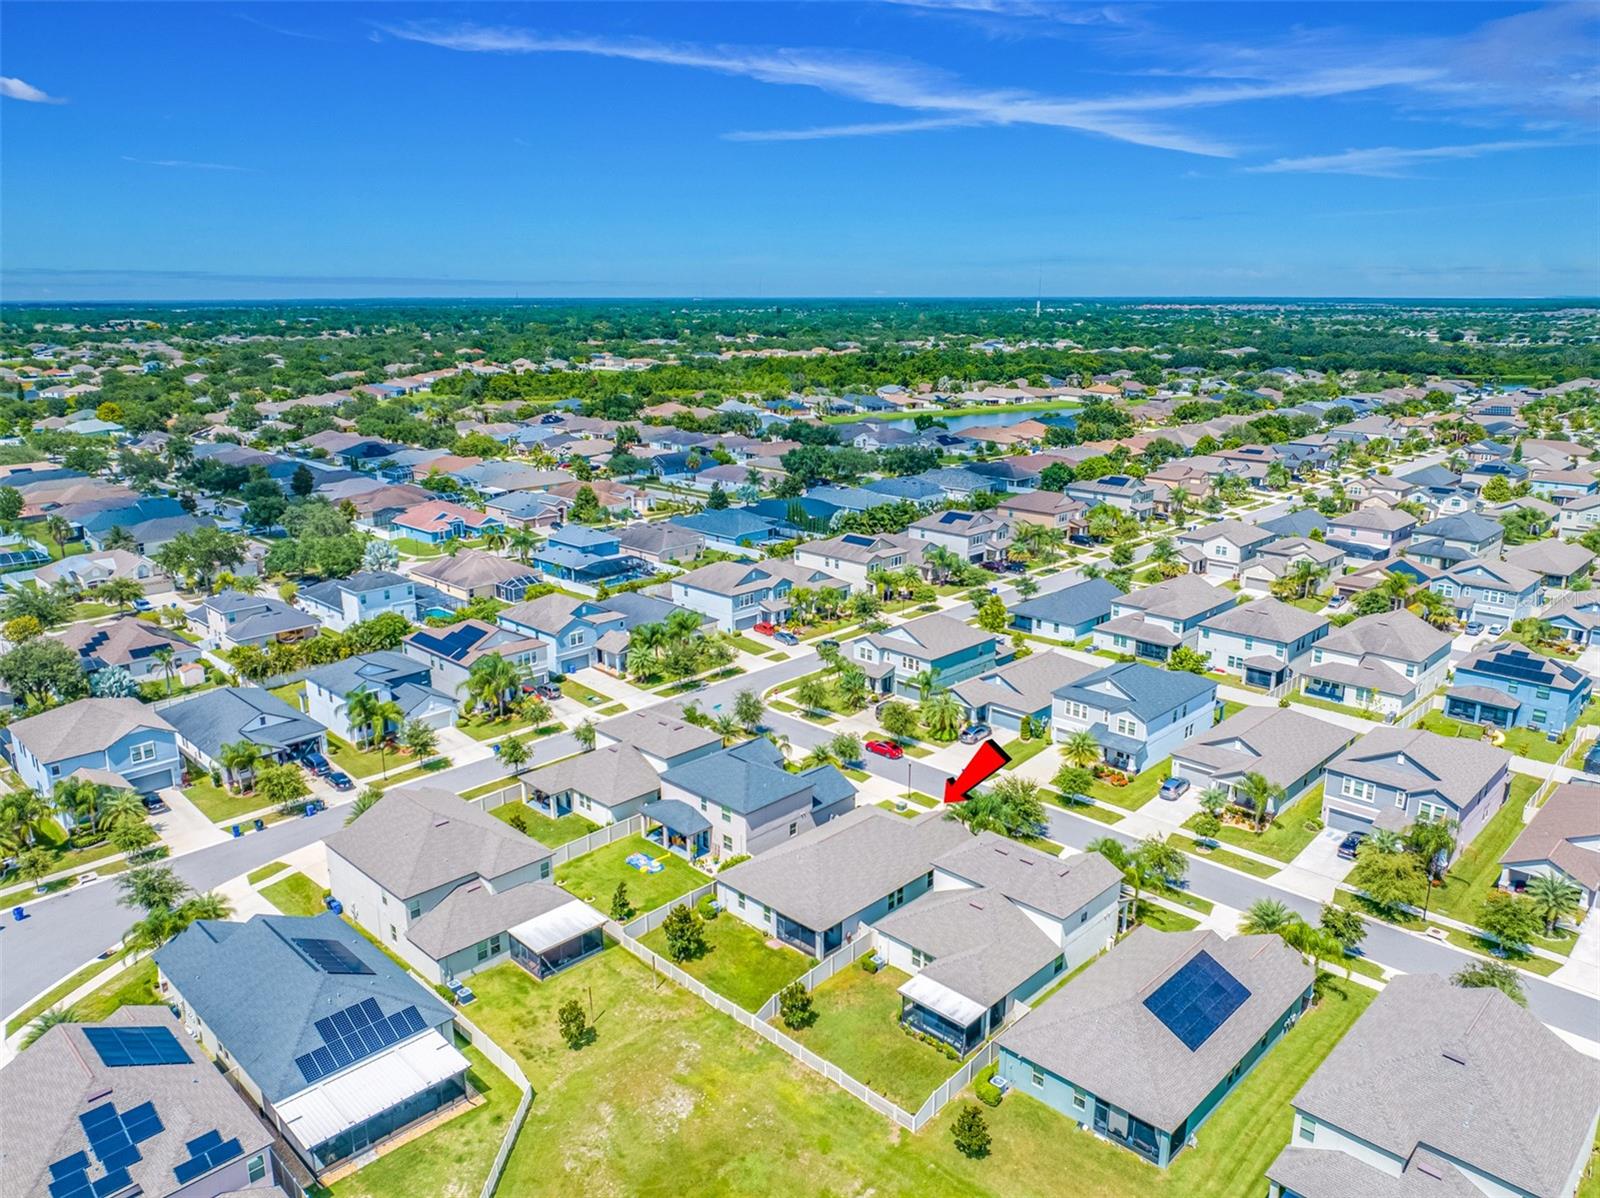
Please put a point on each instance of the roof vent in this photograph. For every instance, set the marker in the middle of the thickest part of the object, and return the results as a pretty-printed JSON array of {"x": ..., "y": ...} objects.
[
  {"x": 441, "y": 821},
  {"x": 1428, "y": 1169},
  {"x": 1455, "y": 1054},
  {"x": 97, "y": 1095}
]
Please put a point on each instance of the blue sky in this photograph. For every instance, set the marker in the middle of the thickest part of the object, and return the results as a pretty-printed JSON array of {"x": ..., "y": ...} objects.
[{"x": 925, "y": 147}]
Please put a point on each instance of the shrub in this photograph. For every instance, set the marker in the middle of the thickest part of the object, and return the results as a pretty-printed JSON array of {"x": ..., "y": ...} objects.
[
  {"x": 518, "y": 821},
  {"x": 574, "y": 1025},
  {"x": 685, "y": 933},
  {"x": 1314, "y": 824},
  {"x": 971, "y": 1133},
  {"x": 708, "y": 908},
  {"x": 1207, "y": 825},
  {"x": 796, "y": 1007},
  {"x": 869, "y": 964},
  {"x": 738, "y": 859},
  {"x": 984, "y": 1089},
  {"x": 621, "y": 906}
]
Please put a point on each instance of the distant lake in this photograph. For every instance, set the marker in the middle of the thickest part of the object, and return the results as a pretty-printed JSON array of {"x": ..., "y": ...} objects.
[{"x": 1002, "y": 418}]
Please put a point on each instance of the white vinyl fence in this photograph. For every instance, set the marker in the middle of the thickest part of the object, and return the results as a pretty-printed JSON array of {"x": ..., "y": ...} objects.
[
  {"x": 507, "y": 1065},
  {"x": 651, "y": 920},
  {"x": 513, "y": 793},
  {"x": 610, "y": 834},
  {"x": 840, "y": 958}
]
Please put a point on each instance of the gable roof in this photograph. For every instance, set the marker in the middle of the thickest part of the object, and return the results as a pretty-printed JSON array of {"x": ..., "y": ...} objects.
[
  {"x": 657, "y": 733},
  {"x": 1235, "y": 532},
  {"x": 749, "y": 777},
  {"x": 1073, "y": 605},
  {"x": 231, "y": 713},
  {"x": 930, "y": 637},
  {"x": 472, "y": 568},
  {"x": 123, "y": 640},
  {"x": 1180, "y": 598},
  {"x": 1136, "y": 687},
  {"x": 1280, "y": 744},
  {"x": 1518, "y": 663},
  {"x": 1395, "y": 634},
  {"x": 1412, "y": 759},
  {"x": 1024, "y": 685},
  {"x": 610, "y": 775},
  {"x": 87, "y": 726},
  {"x": 1268, "y": 619},
  {"x": 377, "y": 670}
]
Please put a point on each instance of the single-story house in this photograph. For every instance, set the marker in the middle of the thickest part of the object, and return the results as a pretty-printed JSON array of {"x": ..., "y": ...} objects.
[
  {"x": 1393, "y": 777},
  {"x": 1288, "y": 748},
  {"x": 1563, "y": 840},
  {"x": 229, "y": 714},
  {"x": 604, "y": 785},
  {"x": 1019, "y": 690},
  {"x": 1068, "y": 614}
]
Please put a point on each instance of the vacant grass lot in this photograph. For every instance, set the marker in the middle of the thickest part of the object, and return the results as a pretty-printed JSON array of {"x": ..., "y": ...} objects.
[
  {"x": 1284, "y": 837},
  {"x": 295, "y": 895},
  {"x": 217, "y": 803},
  {"x": 548, "y": 832},
  {"x": 739, "y": 962},
  {"x": 594, "y": 876}
]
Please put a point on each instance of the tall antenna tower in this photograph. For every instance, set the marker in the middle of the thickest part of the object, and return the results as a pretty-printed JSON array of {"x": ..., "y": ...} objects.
[{"x": 1038, "y": 295}]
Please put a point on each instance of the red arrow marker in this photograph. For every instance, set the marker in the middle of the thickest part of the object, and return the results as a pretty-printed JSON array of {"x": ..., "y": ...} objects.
[{"x": 989, "y": 758}]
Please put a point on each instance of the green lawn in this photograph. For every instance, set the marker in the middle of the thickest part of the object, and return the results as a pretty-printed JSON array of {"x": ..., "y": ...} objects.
[
  {"x": 1162, "y": 919},
  {"x": 483, "y": 726},
  {"x": 1306, "y": 700},
  {"x": 1094, "y": 811},
  {"x": 358, "y": 763},
  {"x": 1475, "y": 871},
  {"x": 858, "y": 1029},
  {"x": 743, "y": 643},
  {"x": 1284, "y": 837},
  {"x": 1139, "y": 791},
  {"x": 295, "y": 895},
  {"x": 56, "y": 993},
  {"x": 1023, "y": 750},
  {"x": 739, "y": 963},
  {"x": 266, "y": 871},
  {"x": 594, "y": 876},
  {"x": 290, "y": 693},
  {"x": 548, "y": 832},
  {"x": 1524, "y": 742},
  {"x": 1231, "y": 707},
  {"x": 453, "y": 1158},
  {"x": 217, "y": 803},
  {"x": 1247, "y": 865},
  {"x": 583, "y": 694},
  {"x": 135, "y": 987}
]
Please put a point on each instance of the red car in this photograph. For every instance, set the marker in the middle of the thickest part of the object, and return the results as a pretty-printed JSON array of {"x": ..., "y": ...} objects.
[
  {"x": 885, "y": 748},
  {"x": 765, "y": 628}
]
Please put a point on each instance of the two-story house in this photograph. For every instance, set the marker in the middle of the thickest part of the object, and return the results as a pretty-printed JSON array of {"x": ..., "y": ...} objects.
[
  {"x": 1150, "y": 623},
  {"x": 1128, "y": 495},
  {"x": 1578, "y": 516},
  {"x": 1450, "y": 540},
  {"x": 1223, "y": 548},
  {"x": 1261, "y": 642},
  {"x": 1492, "y": 593},
  {"x": 1577, "y": 617},
  {"x": 341, "y": 602},
  {"x": 1138, "y": 714},
  {"x": 1279, "y": 559},
  {"x": 119, "y": 737},
  {"x": 1286, "y": 747},
  {"x": 1068, "y": 614},
  {"x": 232, "y": 618},
  {"x": 570, "y": 628},
  {"x": 1394, "y": 777},
  {"x": 391, "y": 677},
  {"x": 1508, "y": 686},
  {"x": 1371, "y": 533},
  {"x": 1562, "y": 487},
  {"x": 1383, "y": 662},
  {"x": 740, "y": 594},
  {"x": 451, "y": 652},
  {"x": 951, "y": 650},
  {"x": 972, "y": 536},
  {"x": 856, "y": 557}
]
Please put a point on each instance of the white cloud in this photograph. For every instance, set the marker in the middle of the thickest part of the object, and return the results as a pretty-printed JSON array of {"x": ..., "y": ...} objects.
[
  {"x": 185, "y": 164},
  {"x": 18, "y": 89},
  {"x": 1389, "y": 162}
]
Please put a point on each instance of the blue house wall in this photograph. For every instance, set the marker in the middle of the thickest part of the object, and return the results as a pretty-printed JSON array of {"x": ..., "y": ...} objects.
[{"x": 1542, "y": 708}]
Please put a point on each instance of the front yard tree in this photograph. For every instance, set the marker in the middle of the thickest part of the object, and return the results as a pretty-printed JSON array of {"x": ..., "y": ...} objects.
[
  {"x": 1554, "y": 898},
  {"x": 898, "y": 720},
  {"x": 970, "y": 1132},
  {"x": 1260, "y": 796},
  {"x": 419, "y": 738},
  {"x": 1072, "y": 781},
  {"x": 1391, "y": 880},
  {"x": 685, "y": 933},
  {"x": 584, "y": 735},
  {"x": 1080, "y": 748},
  {"x": 1432, "y": 841},
  {"x": 992, "y": 615},
  {"x": 845, "y": 747},
  {"x": 748, "y": 710},
  {"x": 1188, "y": 661},
  {"x": 1266, "y": 917},
  {"x": 1511, "y": 919},
  {"x": 1495, "y": 975},
  {"x": 796, "y": 1007},
  {"x": 282, "y": 785},
  {"x": 513, "y": 752},
  {"x": 941, "y": 716},
  {"x": 1010, "y": 807},
  {"x": 1344, "y": 925},
  {"x": 812, "y": 693},
  {"x": 574, "y": 1024},
  {"x": 621, "y": 907}
]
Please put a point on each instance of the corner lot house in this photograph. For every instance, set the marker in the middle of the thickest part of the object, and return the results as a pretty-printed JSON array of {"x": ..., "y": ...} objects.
[
  {"x": 1507, "y": 686},
  {"x": 739, "y": 594},
  {"x": 279, "y": 1001},
  {"x": 341, "y": 602},
  {"x": 892, "y": 659},
  {"x": 1446, "y": 1091},
  {"x": 1286, "y": 748},
  {"x": 448, "y": 887},
  {"x": 390, "y": 676},
  {"x": 131, "y": 1101},
  {"x": 1393, "y": 777},
  {"x": 1152, "y": 622},
  {"x": 1383, "y": 663},
  {"x": 1138, "y": 713},
  {"x": 228, "y": 714},
  {"x": 121, "y": 736},
  {"x": 751, "y": 802},
  {"x": 1067, "y": 614},
  {"x": 1562, "y": 840},
  {"x": 1145, "y": 1043},
  {"x": 1260, "y": 642},
  {"x": 1019, "y": 690}
]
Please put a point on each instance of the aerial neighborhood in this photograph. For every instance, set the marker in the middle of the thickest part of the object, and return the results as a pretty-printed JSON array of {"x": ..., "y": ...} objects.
[{"x": 449, "y": 749}]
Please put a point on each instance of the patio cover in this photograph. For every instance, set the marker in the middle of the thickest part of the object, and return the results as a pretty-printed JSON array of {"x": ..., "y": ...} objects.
[
  {"x": 1108, "y": 739},
  {"x": 941, "y": 1000},
  {"x": 676, "y": 815},
  {"x": 99, "y": 777},
  {"x": 1484, "y": 695},
  {"x": 356, "y": 1095},
  {"x": 566, "y": 922}
]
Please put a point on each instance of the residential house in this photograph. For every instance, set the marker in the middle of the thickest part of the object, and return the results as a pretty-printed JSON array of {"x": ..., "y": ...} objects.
[
  {"x": 1145, "y": 1043},
  {"x": 855, "y": 557},
  {"x": 1297, "y": 524},
  {"x": 1561, "y": 487},
  {"x": 131, "y": 1100},
  {"x": 356, "y": 451},
  {"x": 660, "y": 543},
  {"x": 341, "y": 602},
  {"x": 616, "y": 498},
  {"x": 1049, "y": 508},
  {"x": 1222, "y": 549},
  {"x": 436, "y": 521},
  {"x": 1371, "y": 533},
  {"x": 232, "y": 618},
  {"x": 1578, "y": 516},
  {"x": 120, "y": 737},
  {"x": 957, "y": 483},
  {"x": 391, "y": 677},
  {"x": 974, "y": 537},
  {"x": 1069, "y": 614},
  {"x": 1137, "y": 713},
  {"x": 1562, "y": 840},
  {"x": 569, "y": 627},
  {"x": 738, "y": 594},
  {"x": 1558, "y": 563},
  {"x": 1509, "y": 686},
  {"x": 474, "y": 574},
  {"x": 1020, "y": 690},
  {"x": 528, "y": 509},
  {"x": 897, "y": 660},
  {"x": 1383, "y": 663},
  {"x": 604, "y": 786},
  {"x": 130, "y": 644},
  {"x": 229, "y": 714},
  {"x": 589, "y": 556},
  {"x": 1280, "y": 559},
  {"x": 1451, "y": 540},
  {"x": 452, "y": 651},
  {"x": 1439, "y": 1089},
  {"x": 751, "y": 802},
  {"x": 1128, "y": 495},
  {"x": 335, "y": 1044},
  {"x": 1286, "y": 747},
  {"x": 1394, "y": 777},
  {"x": 87, "y": 571},
  {"x": 453, "y": 889},
  {"x": 665, "y": 740},
  {"x": 1261, "y": 642},
  {"x": 1491, "y": 593},
  {"x": 1152, "y": 622},
  {"x": 733, "y": 530},
  {"x": 1577, "y": 617}
]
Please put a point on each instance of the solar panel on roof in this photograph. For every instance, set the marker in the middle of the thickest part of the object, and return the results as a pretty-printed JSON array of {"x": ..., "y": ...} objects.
[
  {"x": 204, "y": 1142},
  {"x": 1196, "y": 1000},
  {"x": 331, "y": 956},
  {"x": 370, "y": 1032},
  {"x": 123, "y": 1046},
  {"x": 112, "y": 1183},
  {"x": 206, "y": 1152},
  {"x": 78, "y": 1162}
]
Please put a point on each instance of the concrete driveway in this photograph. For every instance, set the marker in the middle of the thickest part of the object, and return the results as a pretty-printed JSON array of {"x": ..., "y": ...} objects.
[{"x": 184, "y": 827}]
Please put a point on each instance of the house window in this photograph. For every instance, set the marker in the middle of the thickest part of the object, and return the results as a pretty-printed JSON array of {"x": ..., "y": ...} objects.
[
  {"x": 727, "y": 843},
  {"x": 908, "y": 663},
  {"x": 1542, "y": 693},
  {"x": 1120, "y": 642},
  {"x": 1038, "y": 1078},
  {"x": 1539, "y": 716},
  {"x": 258, "y": 1166},
  {"x": 414, "y": 909},
  {"x": 1308, "y": 1129},
  {"x": 898, "y": 897},
  {"x": 794, "y": 827},
  {"x": 1080, "y": 1100},
  {"x": 143, "y": 752},
  {"x": 1316, "y": 655},
  {"x": 727, "y": 816},
  {"x": 1354, "y": 788},
  {"x": 544, "y": 870},
  {"x": 1431, "y": 812},
  {"x": 1126, "y": 726},
  {"x": 1400, "y": 798},
  {"x": 920, "y": 959},
  {"x": 741, "y": 902},
  {"x": 702, "y": 806}
]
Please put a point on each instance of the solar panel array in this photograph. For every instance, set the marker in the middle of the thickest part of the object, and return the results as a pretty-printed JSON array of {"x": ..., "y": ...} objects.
[
  {"x": 120, "y": 1046},
  {"x": 453, "y": 645},
  {"x": 355, "y": 1033},
  {"x": 113, "y": 1139},
  {"x": 1520, "y": 666},
  {"x": 1194, "y": 1002},
  {"x": 331, "y": 956},
  {"x": 206, "y": 1152}
]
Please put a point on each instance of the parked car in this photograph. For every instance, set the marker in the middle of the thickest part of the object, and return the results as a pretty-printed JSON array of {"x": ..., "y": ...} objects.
[
  {"x": 155, "y": 804},
  {"x": 785, "y": 638},
  {"x": 1591, "y": 763},
  {"x": 1174, "y": 788},
  {"x": 885, "y": 748},
  {"x": 973, "y": 733},
  {"x": 1496, "y": 629},
  {"x": 544, "y": 690},
  {"x": 764, "y": 627},
  {"x": 827, "y": 643},
  {"x": 1349, "y": 845},
  {"x": 1474, "y": 628},
  {"x": 143, "y": 605},
  {"x": 1336, "y": 601},
  {"x": 340, "y": 780},
  {"x": 318, "y": 764}
]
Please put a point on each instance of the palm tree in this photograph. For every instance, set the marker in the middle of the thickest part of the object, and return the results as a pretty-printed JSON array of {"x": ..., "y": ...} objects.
[
  {"x": 851, "y": 688},
  {"x": 941, "y": 716},
  {"x": 28, "y": 812},
  {"x": 1165, "y": 557},
  {"x": 1214, "y": 799},
  {"x": 58, "y": 530},
  {"x": 925, "y": 680},
  {"x": 1537, "y": 632},
  {"x": 727, "y": 727},
  {"x": 1385, "y": 840},
  {"x": 166, "y": 657},
  {"x": 121, "y": 807},
  {"x": 46, "y": 1020},
  {"x": 491, "y": 678},
  {"x": 122, "y": 592},
  {"x": 1266, "y": 917},
  {"x": 368, "y": 799},
  {"x": 1433, "y": 607},
  {"x": 238, "y": 759},
  {"x": 209, "y": 905},
  {"x": 360, "y": 708},
  {"x": 1260, "y": 796},
  {"x": 1555, "y": 898},
  {"x": 1316, "y": 943},
  {"x": 79, "y": 800},
  {"x": 1081, "y": 749},
  {"x": 942, "y": 562},
  {"x": 1010, "y": 807},
  {"x": 119, "y": 538}
]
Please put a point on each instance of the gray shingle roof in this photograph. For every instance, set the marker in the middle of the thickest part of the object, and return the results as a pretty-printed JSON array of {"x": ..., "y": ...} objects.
[
  {"x": 1071, "y": 605},
  {"x": 1467, "y": 1073},
  {"x": 329, "y": 593},
  {"x": 1279, "y": 744},
  {"x": 1141, "y": 689},
  {"x": 472, "y": 912},
  {"x": 1319, "y": 1173},
  {"x": 1570, "y": 814},
  {"x": 1024, "y": 685},
  {"x": 262, "y": 996},
  {"x": 217, "y": 717},
  {"x": 983, "y": 947},
  {"x": 1180, "y": 598},
  {"x": 1396, "y": 634},
  {"x": 1266, "y": 619},
  {"x": 378, "y": 670},
  {"x": 931, "y": 637},
  {"x": 610, "y": 775},
  {"x": 1235, "y": 532},
  {"x": 472, "y": 568},
  {"x": 417, "y": 838},
  {"x": 658, "y": 734},
  {"x": 1467, "y": 526},
  {"x": 1414, "y": 760},
  {"x": 1054, "y": 885},
  {"x": 86, "y": 726},
  {"x": 750, "y": 777},
  {"x": 1097, "y": 1033}
]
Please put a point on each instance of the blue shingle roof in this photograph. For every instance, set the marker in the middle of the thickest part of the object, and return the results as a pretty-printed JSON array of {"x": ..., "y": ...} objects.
[
  {"x": 915, "y": 488},
  {"x": 750, "y": 777},
  {"x": 1143, "y": 690},
  {"x": 1072, "y": 605},
  {"x": 728, "y": 525}
]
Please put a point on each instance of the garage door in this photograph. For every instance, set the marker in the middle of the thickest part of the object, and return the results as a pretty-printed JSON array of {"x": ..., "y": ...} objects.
[
  {"x": 1004, "y": 721},
  {"x": 1345, "y": 821}
]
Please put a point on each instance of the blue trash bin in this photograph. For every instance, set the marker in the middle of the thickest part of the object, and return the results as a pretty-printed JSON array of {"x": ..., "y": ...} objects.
[{"x": 236, "y": 830}]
